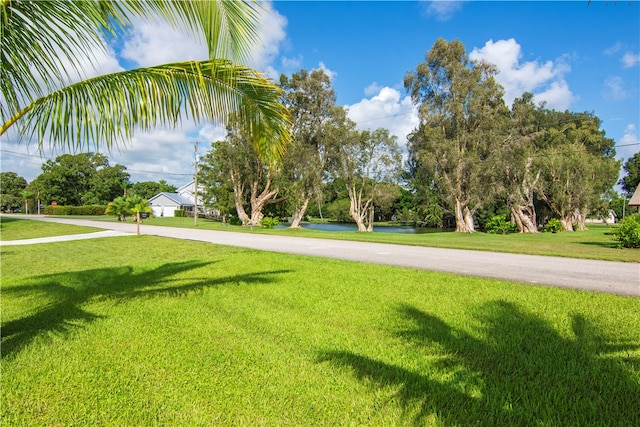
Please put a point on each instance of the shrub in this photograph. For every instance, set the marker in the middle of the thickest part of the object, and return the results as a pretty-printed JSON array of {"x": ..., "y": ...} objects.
[
  {"x": 553, "y": 225},
  {"x": 499, "y": 224},
  {"x": 627, "y": 233},
  {"x": 75, "y": 210},
  {"x": 269, "y": 222},
  {"x": 179, "y": 213}
]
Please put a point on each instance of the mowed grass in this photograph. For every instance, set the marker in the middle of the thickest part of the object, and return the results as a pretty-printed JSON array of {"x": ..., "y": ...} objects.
[
  {"x": 595, "y": 243},
  {"x": 152, "y": 331},
  {"x": 12, "y": 228}
]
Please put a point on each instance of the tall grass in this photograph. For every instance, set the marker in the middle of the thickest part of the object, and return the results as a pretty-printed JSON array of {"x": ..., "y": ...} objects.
[{"x": 153, "y": 331}]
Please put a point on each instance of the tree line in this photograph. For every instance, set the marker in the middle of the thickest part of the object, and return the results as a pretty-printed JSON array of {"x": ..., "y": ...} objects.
[
  {"x": 74, "y": 180},
  {"x": 470, "y": 155}
]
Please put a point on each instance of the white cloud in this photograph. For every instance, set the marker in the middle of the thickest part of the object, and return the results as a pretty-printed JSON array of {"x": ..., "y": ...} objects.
[
  {"x": 630, "y": 60},
  {"x": 373, "y": 89},
  {"x": 615, "y": 89},
  {"x": 156, "y": 42},
  {"x": 443, "y": 10},
  {"x": 387, "y": 109},
  {"x": 613, "y": 49},
  {"x": 545, "y": 80},
  {"x": 272, "y": 33}
]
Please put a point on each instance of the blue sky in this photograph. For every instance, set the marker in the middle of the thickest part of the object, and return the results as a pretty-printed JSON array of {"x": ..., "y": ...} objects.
[{"x": 573, "y": 55}]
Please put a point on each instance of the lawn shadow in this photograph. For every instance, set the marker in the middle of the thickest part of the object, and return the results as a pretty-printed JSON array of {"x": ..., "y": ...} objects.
[
  {"x": 67, "y": 292},
  {"x": 521, "y": 372}
]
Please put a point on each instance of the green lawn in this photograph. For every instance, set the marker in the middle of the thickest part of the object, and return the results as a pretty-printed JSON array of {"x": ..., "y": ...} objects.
[
  {"x": 12, "y": 228},
  {"x": 595, "y": 243},
  {"x": 152, "y": 331}
]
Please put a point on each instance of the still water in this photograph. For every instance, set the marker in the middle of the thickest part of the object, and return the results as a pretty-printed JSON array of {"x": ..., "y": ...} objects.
[{"x": 401, "y": 229}]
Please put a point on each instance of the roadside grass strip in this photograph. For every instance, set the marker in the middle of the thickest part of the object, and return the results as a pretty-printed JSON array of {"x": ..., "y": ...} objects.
[{"x": 155, "y": 331}]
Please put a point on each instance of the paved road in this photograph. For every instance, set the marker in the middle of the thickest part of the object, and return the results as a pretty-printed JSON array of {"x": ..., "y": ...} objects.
[{"x": 602, "y": 276}]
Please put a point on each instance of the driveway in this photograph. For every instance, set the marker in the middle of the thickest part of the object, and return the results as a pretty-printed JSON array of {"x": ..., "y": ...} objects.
[{"x": 602, "y": 276}]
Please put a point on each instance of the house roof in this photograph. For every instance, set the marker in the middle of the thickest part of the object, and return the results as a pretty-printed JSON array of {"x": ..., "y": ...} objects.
[
  {"x": 635, "y": 199},
  {"x": 175, "y": 197}
]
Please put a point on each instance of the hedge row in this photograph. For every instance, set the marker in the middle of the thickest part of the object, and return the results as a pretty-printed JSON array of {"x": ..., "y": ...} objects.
[{"x": 75, "y": 210}]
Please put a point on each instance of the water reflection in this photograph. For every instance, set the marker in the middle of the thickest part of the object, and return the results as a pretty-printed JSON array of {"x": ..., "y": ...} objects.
[{"x": 400, "y": 229}]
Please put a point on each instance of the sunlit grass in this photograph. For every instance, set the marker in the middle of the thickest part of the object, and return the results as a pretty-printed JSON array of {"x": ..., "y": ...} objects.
[
  {"x": 153, "y": 331},
  {"x": 595, "y": 243},
  {"x": 12, "y": 228}
]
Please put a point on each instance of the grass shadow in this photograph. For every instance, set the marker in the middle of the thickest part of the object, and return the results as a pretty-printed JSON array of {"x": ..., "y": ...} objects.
[
  {"x": 66, "y": 293},
  {"x": 521, "y": 371}
]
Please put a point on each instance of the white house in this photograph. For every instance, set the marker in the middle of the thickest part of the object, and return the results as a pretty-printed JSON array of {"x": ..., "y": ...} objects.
[{"x": 165, "y": 204}]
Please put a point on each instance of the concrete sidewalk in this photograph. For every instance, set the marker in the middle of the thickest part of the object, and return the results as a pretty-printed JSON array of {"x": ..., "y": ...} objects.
[{"x": 602, "y": 276}]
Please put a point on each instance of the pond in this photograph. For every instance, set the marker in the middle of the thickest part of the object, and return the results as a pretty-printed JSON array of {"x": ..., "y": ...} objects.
[{"x": 400, "y": 229}]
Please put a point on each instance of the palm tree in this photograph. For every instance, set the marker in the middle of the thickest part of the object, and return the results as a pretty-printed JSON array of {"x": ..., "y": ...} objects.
[{"x": 36, "y": 36}]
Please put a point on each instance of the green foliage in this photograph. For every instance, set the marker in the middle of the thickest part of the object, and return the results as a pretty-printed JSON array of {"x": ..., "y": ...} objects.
[
  {"x": 107, "y": 109},
  {"x": 80, "y": 179},
  {"x": 627, "y": 232},
  {"x": 148, "y": 189},
  {"x": 11, "y": 187},
  {"x": 553, "y": 226},
  {"x": 499, "y": 224},
  {"x": 269, "y": 222},
  {"x": 338, "y": 210},
  {"x": 178, "y": 213},
  {"x": 89, "y": 210},
  {"x": 631, "y": 180}
]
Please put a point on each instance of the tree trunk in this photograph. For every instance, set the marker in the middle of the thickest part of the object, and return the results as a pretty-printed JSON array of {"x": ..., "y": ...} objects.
[
  {"x": 464, "y": 219},
  {"x": 371, "y": 219},
  {"x": 525, "y": 218},
  {"x": 259, "y": 201},
  {"x": 567, "y": 222},
  {"x": 580, "y": 217},
  {"x": 298, "y": 214}
]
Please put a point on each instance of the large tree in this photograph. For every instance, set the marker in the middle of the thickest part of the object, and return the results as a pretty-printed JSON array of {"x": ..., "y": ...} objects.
[
  {"x": 578, "y": 166},
  {"x": 43, "y": 42},
  {"x": 84, "y": 178},
  {"x": 518, "y": 172},
  {"x": 312, "y": 103},
  {"x": 367, "y": 161},
  {"x": 460, "y": 107},
  {"x": 234, "y": 164},
  {"x": 631, "y": 180},
  {"x": 148, "y": 189},
  {"x": 11, "y": 187}
]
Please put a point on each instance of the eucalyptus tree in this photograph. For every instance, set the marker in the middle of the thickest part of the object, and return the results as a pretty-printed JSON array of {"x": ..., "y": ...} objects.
[
  {"x": 312, "y": 104},
  {"x": 44, "y": 42},
  {"x": 366, "y": 161},
  {"x": 234, "y": 163},
  {"x": 578, "y": 166},
  {"x": 518, "y": 171},
  {"x": 460, "y": 106}
]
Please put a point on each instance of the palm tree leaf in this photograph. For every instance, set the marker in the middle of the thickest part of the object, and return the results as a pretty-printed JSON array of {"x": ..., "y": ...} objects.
[
  {"x": 106, "y": 110},
  {"x": 41, "y": 39}
]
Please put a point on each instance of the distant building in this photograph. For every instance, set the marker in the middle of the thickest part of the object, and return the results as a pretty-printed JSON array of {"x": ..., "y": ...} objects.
[
  {"x": 165, "y": 204},
  {"x": 635, "y": 199}
]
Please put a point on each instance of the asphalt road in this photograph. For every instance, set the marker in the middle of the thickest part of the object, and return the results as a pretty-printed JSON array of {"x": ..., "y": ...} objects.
[{"x": 602, "y": 276}]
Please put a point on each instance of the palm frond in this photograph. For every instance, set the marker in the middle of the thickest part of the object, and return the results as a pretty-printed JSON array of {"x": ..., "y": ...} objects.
[
  {"x": 106, "y": 110},
  {"x": 39, "y": 39}
]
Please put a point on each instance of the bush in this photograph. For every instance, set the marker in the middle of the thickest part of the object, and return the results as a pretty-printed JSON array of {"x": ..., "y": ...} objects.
[
  {"x": 178, "y": 213},
  {"x": 269, "y": 222},
  {"x": 499, "y": 224},
  {"x": 553, "y": 226},
  {"x": 75, "y": 210},
  {"x": 627, "y": 233}
]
